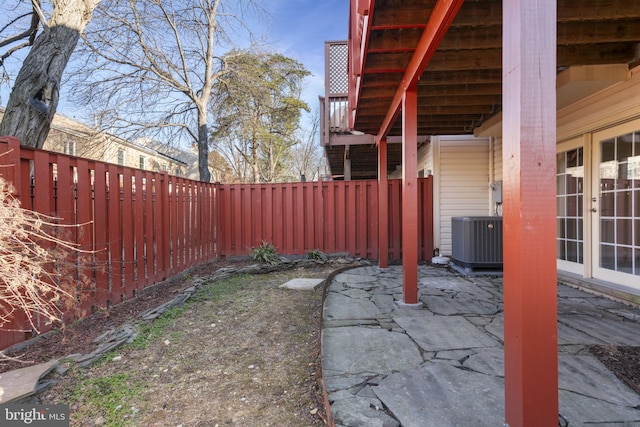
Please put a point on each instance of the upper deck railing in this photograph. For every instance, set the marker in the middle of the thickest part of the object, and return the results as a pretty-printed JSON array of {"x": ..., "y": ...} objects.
[{"x": 334, "y": 106}]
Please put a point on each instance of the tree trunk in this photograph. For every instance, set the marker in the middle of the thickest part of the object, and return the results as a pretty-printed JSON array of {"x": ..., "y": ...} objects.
[
  {"x": 203, "y": 149},
  {"x": 254, "y": 161},
  {"x": 34, "y": 98}
]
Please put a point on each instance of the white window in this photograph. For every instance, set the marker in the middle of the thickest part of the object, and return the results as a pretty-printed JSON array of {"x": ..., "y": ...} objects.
[
  {"x": 142, "y": 162},
  {"x": 121, "y": 157},
  {"x": 70, "y": 148}
]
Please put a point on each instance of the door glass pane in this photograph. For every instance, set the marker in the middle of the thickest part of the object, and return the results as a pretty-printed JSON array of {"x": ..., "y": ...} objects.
[
  {"x": 607, "y": 150},
  {"x": 625, "y": 147},
  {"x": 624, "y": 232},
  {"x": 624, "y": 259},
  {"x": 623, "y": 203},
  {"x": 607, "y": 230},
  {"x": 619, "y": 206},
  {"x": 569, "y": 199},
  {"x": 608, "y": 257}
]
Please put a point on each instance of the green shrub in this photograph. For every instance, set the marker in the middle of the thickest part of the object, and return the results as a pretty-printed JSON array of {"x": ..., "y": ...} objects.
[
  {"x": 317, "y": 254},
  {"x": 266, "y": 253}
]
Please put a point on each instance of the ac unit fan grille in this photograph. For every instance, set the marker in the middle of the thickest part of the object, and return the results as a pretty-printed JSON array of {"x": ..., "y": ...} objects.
[{"x": 477, "y": 241}]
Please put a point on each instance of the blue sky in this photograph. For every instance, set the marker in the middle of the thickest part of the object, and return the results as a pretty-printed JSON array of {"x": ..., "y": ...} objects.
[
  {"x": 301, "y": 27},
  {"x": 298, "y": 30}
]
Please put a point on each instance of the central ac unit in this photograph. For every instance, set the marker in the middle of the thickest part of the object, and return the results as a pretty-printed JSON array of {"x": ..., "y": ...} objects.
[{"x": 477, "y": 241}]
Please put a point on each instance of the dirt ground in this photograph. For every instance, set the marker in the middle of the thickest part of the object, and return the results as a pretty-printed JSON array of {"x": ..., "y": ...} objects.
[{"x": 247, "y": 356}]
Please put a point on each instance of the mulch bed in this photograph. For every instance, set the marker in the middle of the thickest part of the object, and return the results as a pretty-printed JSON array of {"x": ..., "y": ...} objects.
[{"x": 624, "y": 362}]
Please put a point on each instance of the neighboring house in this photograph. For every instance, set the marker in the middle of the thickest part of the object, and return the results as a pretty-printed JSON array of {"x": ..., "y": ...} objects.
[
  {"x": 71, "y": 137},
  {"x": 598, "y": 140}
]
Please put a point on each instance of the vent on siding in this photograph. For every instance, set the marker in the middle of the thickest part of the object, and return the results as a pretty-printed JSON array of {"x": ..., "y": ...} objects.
[{"x": 477, "y": 241}]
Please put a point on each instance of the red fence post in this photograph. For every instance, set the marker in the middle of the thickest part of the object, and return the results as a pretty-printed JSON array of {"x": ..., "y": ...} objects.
[
  {"x": 100, "y": 227},
  {"x": 115, "y": 234},
  {"x": 128, "y": 238},
  {"x": 10, "y": 163},
  {"x": 147, "y": 219},
  {"x": 162, "y": 225},
  {"x": 138, "y": 230},
  {"x": 17, "y": 329},
  {"x": 85, "y": 238},
  {"x": 383, "y": 205},
  {"x": 426, "y": 217}
]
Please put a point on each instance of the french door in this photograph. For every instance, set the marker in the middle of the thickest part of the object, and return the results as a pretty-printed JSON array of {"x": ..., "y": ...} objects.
[
  {"x": 598, "y": 205},
  {"x": 615, "y": 205},
  {"x": 570, "y": 198}
]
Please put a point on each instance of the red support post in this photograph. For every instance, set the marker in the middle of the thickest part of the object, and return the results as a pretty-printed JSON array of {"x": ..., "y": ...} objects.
[
  {"x": 529, "y": 153},
  {"x": 410, "y": 196},
  {"x": 383, "y": 205}
]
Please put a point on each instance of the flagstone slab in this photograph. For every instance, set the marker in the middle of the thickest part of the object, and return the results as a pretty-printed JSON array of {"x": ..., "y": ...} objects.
[
  {"x": 302, "y": 284},
  {"x": 568, "y": 335},
  {"x": 586, "y": 376},
  {"x": 385, "y": 303},
  {"x": 583, "y": 306},
  {"x": 335, "y": 383},
  {"x": 355, "y": 293},
  {"x": 444, "y": 333},
  {"x": 341, "y": 307},
  {"x": 20, "y": 383},
  {"x": 496, "y": 327},
  {"x": 369, "y": 270},
  {"x": 489, "y": 361},
  {"x": 448, "y": 283},
  {"x": 565, "y": 291},
  {"x": 360, "y": 412},
  {"x": 357, "y": 350},
  {"x": 459, "y": 305},
  {"x": 616, "y": 332},
  {"x": 438, "y": 394},
  {"x": 352, "y": 278},
  {"x": 630, "y": 313},
  {"x": 582, "y": 410}
]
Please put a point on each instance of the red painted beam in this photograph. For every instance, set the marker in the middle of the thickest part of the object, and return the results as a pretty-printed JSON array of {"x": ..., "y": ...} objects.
[
  {"x": 441, "y": 18},
  {"x": 529, "y": 159},
  {"x": 410, "y": 196},
  {"x": 383, "y": 206},
  {"x": 360, "y": 15},
  {"x": 398, "y": 27}
]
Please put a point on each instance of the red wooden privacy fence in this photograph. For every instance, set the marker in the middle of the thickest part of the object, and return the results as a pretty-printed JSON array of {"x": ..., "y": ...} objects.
[
  {"x": 139, "y": 227},
  {"x": 333, "y": 216}
]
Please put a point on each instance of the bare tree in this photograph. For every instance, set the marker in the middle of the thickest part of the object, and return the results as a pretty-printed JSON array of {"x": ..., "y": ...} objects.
[
  {"x": 306, "y": 156},
  {"x": 34, "y": 98},
  {"x": 20, "y": 29},
  {"x": 150, "y": 66}
]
